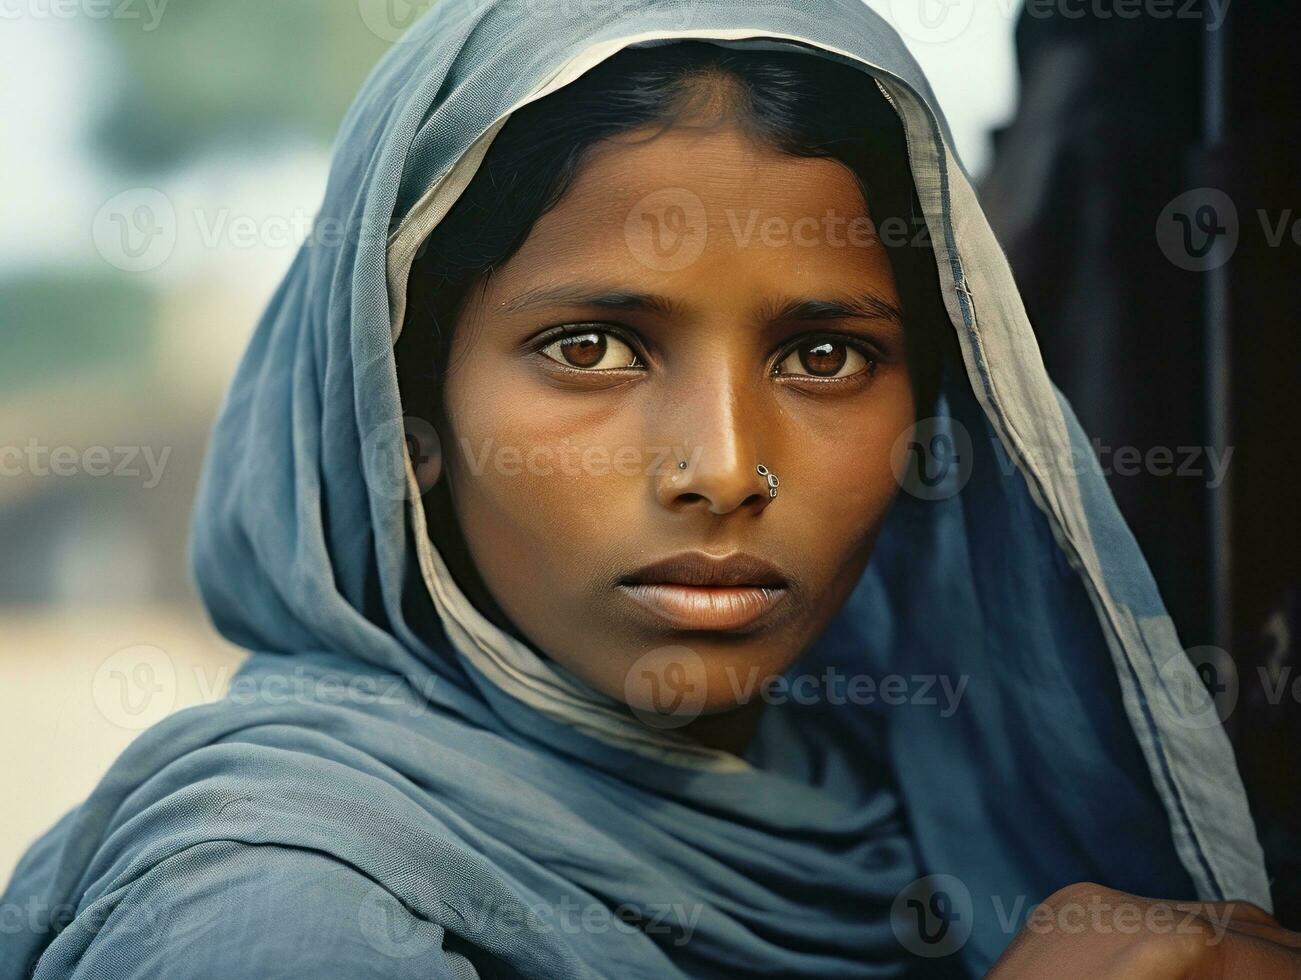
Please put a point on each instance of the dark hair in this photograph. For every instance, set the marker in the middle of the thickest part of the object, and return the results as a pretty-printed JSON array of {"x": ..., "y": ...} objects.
[{"x": 800, "y": 104}]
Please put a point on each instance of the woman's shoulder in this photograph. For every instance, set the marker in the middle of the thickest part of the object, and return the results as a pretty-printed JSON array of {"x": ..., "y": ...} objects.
[
  {"x": 250, "y": 911},
  {"x": 314, "y": 834},
  {"x": 320, "y": 823}
]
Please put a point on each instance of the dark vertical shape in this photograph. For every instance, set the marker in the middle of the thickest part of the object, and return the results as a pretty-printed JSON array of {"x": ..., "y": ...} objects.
[
  {"x": 1263, "y": 107},
  {"x": 1108, "y": 130},
  {"x": 1218, "y": 364}
]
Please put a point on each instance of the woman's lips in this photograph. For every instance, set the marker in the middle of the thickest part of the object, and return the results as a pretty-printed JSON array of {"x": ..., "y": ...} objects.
[{"x": 705, "y": 607}]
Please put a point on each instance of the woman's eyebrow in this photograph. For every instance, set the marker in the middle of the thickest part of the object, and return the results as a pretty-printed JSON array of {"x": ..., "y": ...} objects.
[
  {"x": 578, "y": 294},
  {"x": 864, "y": 306}
]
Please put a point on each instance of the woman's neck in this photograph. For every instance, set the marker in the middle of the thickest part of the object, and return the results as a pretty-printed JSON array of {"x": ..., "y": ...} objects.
[{"x": 730, "y": 731}]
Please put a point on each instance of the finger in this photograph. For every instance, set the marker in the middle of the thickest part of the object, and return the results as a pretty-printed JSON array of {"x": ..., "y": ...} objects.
[
  {"x": 1246, "y": 918},
  {"x": 1252, "y": 957}
]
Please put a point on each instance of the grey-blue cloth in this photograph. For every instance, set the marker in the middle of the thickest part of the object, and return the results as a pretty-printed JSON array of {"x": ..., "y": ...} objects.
[{"x": 395, "y": 789}]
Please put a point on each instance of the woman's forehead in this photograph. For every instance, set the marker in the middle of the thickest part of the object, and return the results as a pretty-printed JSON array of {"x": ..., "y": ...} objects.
[
  {"x": 722, "y": 165},
  {"x": 676, "y": 203}
]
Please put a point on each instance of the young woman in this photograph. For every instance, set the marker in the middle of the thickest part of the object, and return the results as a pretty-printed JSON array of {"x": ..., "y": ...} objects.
[{"x": 662, "y": 554}]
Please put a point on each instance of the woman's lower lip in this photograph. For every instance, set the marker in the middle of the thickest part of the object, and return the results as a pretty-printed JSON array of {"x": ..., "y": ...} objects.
[{"x": 705, "y": 607}]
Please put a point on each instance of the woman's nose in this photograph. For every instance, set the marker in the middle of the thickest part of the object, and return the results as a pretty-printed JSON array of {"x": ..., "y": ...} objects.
[{"x": 717, "y": 433}]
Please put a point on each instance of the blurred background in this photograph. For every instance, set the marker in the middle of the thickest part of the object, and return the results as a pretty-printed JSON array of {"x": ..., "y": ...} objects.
[{"x": 163, "y": 162}]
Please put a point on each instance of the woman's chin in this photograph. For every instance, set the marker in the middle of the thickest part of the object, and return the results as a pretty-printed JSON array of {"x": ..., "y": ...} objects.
[{"x": 673, "y": 684}]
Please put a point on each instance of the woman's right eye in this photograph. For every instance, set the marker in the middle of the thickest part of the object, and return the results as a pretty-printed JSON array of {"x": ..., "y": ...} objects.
[{"x": 592, "y": 350}]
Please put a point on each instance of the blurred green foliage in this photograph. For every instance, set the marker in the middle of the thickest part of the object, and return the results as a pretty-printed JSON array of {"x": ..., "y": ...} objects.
[
  {"x": 217, "y": 72},
  {"x": 59, "y": 322}
]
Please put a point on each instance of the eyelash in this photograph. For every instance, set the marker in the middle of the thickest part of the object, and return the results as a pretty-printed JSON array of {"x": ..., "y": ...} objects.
[
  {"x": 580, "y": 330},
  {"x": 866, "y": 351},
  {"x": 869, "y": 354}
]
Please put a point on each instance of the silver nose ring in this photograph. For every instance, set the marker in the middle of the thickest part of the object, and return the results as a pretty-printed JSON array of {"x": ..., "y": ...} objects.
[{"x": 773, "y": 482}]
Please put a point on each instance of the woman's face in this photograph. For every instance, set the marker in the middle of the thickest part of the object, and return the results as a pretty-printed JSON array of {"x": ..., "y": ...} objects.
[{"x": 697, "y": 297}]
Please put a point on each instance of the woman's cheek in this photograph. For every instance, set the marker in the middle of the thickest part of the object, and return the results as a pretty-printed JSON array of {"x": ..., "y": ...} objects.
[
  {"x": 544, "y": 488},
  {"x": 850, "y": 482}
]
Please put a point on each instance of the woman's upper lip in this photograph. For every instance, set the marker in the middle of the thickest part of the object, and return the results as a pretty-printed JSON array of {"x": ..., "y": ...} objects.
[{"x": 703, "y": 569}]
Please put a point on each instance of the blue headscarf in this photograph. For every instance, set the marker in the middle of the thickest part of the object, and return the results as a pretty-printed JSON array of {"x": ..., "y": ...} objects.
[{"x": 396, "y": 788}]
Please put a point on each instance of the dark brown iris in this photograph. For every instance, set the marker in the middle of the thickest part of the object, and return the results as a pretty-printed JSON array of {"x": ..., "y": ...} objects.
[
  {"x": 826, "y": 358},
  {"x": 584, "y": 350}
]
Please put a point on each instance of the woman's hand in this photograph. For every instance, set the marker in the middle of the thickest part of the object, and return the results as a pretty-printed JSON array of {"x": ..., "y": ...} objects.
[{"x": 1087, "y": 930}]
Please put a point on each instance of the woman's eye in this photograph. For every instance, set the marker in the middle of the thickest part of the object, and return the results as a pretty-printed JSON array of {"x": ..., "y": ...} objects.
[
  {"x": 824, "y": 359},
  {"x": 592, "y": 350}
]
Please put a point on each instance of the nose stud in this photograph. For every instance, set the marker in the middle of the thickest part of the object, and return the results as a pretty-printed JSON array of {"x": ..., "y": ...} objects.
[{"x": 769, "y": 476}]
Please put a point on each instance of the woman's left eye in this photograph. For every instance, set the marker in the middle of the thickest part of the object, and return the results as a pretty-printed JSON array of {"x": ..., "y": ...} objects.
[
  {"x": 591, "y": 350},
  {"x": 825, "y": 358}
]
